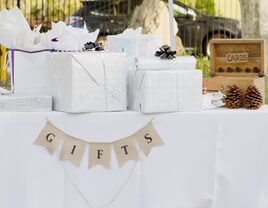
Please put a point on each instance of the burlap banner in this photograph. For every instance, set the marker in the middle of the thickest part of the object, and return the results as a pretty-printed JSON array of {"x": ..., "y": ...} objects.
[{"x": 125, "y": 149}]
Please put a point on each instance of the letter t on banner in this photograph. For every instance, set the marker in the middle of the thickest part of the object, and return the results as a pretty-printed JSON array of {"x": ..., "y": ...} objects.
[
  {"x": 147, "y": 138},
  {"x": 125, "y": 150}
]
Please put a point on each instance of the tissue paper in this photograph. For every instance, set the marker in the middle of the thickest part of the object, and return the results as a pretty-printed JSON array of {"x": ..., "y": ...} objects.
[
  {"x": 15, "y": 33},
  {"x": 133, "y": 43}
]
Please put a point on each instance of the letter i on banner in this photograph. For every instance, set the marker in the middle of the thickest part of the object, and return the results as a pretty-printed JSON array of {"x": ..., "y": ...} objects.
[
  {"x": 50, "y": 137},
  {"x": 147, "y": 138},
  {"x": 73, "y": 150},
  {"x": 125, "y": 150},
  {"x": 100, "y": 154}
]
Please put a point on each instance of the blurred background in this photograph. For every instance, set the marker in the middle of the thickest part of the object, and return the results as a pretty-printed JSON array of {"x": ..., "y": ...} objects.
[{"x": 198, "y": 20}]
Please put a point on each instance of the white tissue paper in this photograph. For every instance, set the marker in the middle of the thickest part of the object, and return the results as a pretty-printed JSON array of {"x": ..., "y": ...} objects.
[
  {"x": 88, "y": 82},
  {"x": 15, "y": 33},
  {"x": 165, "y": 91},
  {"x": 133, "y": 43},
  {"x": 178, "y": 63}
]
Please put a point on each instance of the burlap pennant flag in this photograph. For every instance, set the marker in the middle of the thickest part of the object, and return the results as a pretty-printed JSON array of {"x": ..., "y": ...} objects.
[
  {"x": 100, "y": 154},
  {"x": 125, "y": 150},
  {"x": 147, "y": 138},
  {"x": 73, "y": 150},
  {"x": 50, "y": 137}
]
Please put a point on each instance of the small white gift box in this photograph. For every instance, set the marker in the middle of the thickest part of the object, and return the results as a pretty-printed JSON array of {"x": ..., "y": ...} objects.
[
  {"x": 165, "y": 91},
  {"x": 88, "y": 81},
  {"x": 139, "y": 45},
  {"x": 25, "y": 104},
  {"x": 178, "y": 63}
]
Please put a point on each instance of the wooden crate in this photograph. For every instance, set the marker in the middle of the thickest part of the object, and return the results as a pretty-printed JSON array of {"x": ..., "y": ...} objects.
[
  {"x": 238, "y": 57},
  {"x": 221, "y": 83}
]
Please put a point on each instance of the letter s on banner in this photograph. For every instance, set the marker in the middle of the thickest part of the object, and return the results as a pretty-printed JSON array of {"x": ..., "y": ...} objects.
[
  {"x": 50, "y": 137},
  {"x": 147, "y": 138}
]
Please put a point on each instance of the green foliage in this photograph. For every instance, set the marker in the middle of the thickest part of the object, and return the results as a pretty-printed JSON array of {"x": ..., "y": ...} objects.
[
  {"x": 45, "y": 10},
  {"x": 203, "y": 63},
  {"x": 206, "y": 6}
]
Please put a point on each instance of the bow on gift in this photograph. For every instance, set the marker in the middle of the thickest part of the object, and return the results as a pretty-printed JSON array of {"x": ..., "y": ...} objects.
[
  {"x": 93, "y": 46},
  {"x": 165, "y": 52}
]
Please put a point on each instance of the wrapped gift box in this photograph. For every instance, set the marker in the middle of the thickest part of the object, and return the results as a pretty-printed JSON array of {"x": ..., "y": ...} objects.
[
  {"x": 25, "y": 103},
  {"x": 135, "y": 46},
  {"x": 88, "y": 81},
  {"x": 165, "y": 91},
  {"x": 178, "y": 63}
]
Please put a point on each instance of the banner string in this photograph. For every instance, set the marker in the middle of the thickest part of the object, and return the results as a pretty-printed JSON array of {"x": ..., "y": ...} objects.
[
  {"x": 88, "y": 142},
  {"x": 116, "y": 195}
]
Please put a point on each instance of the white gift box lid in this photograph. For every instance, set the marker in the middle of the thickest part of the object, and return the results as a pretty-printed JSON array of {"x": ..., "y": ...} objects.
[{"x": 156, "y": 63}]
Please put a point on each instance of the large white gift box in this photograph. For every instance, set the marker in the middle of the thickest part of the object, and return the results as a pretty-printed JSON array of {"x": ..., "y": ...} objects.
[
  {"x": 178, "y": 63},
  {"x": 30, "y": 72},
  {"x": 165, "y": 91},
  {"x": 88, "y": 81},
  {"x": 140, "y": 45}
]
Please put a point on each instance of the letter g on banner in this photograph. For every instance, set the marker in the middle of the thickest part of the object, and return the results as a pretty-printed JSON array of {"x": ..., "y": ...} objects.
[{"x": 50, "y": 137}]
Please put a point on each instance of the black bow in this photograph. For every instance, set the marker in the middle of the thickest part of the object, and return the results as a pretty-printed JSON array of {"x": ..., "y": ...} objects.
[
  {"x": 165, "y": 52},
  {"x": 90, "y": 46}
]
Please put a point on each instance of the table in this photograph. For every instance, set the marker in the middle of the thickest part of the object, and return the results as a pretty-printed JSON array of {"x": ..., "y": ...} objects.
[{"x": 212, "y": 159}]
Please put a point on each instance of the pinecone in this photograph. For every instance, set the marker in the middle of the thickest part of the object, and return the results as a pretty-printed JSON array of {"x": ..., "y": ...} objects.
[
  {"x": 253, "y": 98},
  {"x": 234, "y": 97}
]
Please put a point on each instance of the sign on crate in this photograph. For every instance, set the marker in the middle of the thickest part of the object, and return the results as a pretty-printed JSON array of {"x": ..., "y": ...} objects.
[{"x": 236, "y": 57}]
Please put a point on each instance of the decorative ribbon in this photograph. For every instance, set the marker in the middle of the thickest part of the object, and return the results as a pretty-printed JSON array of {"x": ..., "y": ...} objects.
[
  {"x": 91, "y": 46},
  {"x": 165, "y": 52}
]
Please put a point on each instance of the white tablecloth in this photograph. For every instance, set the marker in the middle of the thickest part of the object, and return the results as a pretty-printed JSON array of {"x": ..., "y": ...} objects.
[{"x": 213, "y": 159}]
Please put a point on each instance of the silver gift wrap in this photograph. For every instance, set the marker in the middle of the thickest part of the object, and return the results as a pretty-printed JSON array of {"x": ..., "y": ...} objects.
[
  {"x": 25, "y": 103},
  {"x": 82, "y": 82},
  {"x": 165, "y": 91}
]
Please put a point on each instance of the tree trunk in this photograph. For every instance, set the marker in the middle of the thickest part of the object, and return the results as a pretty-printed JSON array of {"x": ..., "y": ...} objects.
[
  {"x": 254, "y": 19},
  {"x": 153, "y": 17},
  {"x": 250, "y": 14}
]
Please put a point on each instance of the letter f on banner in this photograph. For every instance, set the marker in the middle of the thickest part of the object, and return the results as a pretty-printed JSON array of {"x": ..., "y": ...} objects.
[
  {"x": 100, "y": 154},
  {"x": 147, "y": 138},
  {"x": 50, "y": 137}
]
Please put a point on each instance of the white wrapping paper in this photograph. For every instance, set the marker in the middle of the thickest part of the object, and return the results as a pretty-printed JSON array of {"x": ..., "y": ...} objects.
[
  {"x": 165, "y": 91},
  {"x": 88, "y": 81},
  {"x": 178, "y": 63},
  {"x": 31, "y": 74}
]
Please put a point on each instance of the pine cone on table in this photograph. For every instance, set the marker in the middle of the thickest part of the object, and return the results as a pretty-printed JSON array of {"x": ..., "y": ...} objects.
[
  {"x": 253, "y": 98},
  {"x": 234, "y": 97}
]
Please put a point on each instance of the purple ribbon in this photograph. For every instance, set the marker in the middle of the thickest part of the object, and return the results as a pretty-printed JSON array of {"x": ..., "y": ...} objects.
[{"x": 13, "y": 62}]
